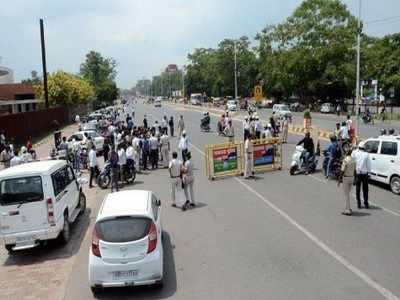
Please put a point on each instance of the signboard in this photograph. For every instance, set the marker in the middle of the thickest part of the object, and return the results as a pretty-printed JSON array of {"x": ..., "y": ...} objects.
[
  {"x": 258, "y": 94},
  {"x": 263, "y": 154},
  {"x": 225, "y": 160}
]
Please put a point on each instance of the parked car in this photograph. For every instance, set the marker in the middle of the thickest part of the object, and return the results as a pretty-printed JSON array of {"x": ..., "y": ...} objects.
[
  {"x": 127, "y": 245},
  {"x": 282, "y": 110},
  {"x": 157, "y": 102},
  {"x": 232, "y": 105},
  {"x": 327, "y": 108},
  {"x": 384, "y": 156},
  {"x": 196, "y": 99},
  {"x": 80, "y": 136},
  {"x": 264, "y": 103},
  {"x": 297, "y": 107},
  {"x": 38, "y": 201}
]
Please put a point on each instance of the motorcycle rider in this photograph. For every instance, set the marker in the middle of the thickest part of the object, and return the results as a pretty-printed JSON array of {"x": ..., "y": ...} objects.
[
  {"x": 205, "y": 121},
  {"x": 331, "y": 155},
  {"x": 308, "y": 143}
]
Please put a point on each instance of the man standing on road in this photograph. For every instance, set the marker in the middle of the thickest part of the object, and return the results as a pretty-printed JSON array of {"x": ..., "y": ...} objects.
[
  {"x": 285, "y": 129},
  {"x": 246, "y": 128},
  {"x": 122, "y": 162},
  {"x": 164, "y": 125},
  {"x": 181, "y": 125},
  {"x": 145, "y": 125},
  {"x": 258, "y": 127},
  {"x": 171, "y": 126},
  {"x": 165, "y": 148},
  {"x": 145, "y": 151},
  {"x": 114, "y": 170},
  {"x": 5, "y": 157},
  {"x": 363, "y": 168},
  {"x": 175, "y": 172},
  {"x": 188, "y": 180},
  {"x": 153, "y": 151},
  {"x": 346, "y": 179},
  {"x": 230, "y": 132},
  {"x": 94, "y": 169},
  {"x": 183, "y": 145},
  {"x": 136, "y": 154},
  {"x": 248, "y": 158}
]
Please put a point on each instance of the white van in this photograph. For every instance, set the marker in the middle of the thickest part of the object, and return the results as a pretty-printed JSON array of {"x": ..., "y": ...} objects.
[{"x": 38, "y": 201}]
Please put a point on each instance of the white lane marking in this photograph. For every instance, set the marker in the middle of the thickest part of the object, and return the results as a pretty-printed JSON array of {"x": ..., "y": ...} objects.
[{"x": 368, "y": 280}]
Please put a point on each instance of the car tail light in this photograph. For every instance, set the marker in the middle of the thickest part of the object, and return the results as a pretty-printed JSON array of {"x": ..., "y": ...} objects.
[
  {"x": 152, "y": 238},
  {"x": 50, "y": 212},
  {"x": 95, "y": 243}
]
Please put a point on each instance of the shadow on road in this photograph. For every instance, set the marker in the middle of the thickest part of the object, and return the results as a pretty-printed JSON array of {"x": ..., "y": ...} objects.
[
  {"x": 52, "y": 249},
  {"x": 149, "y": 292}
]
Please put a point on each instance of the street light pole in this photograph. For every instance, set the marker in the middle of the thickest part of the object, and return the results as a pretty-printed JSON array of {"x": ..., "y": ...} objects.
[
  {"x": 359, "y": 30},
  {"x": 44, "y": 65},
  {"x": 236, "y": 91},
  {"x": 183, "y": 81}
]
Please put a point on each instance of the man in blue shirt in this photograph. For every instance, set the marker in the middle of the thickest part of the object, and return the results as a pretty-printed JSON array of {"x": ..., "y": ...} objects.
[{"x": 332, "y": 152}]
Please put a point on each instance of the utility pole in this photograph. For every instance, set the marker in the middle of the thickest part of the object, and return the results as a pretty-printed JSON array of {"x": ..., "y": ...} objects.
[
  {"x": 45, "y": 87},
  {"x": 183, "y": 81},
  {"x": 359, "y": 30},
  {"x": 236, "y": 92}
]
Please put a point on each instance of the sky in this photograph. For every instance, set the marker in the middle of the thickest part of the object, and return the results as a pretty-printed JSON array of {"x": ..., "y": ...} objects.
[{"x": 144, "y": 36}]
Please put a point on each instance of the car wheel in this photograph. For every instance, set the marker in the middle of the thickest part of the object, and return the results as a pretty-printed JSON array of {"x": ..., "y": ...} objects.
[
  {"x": 82, "y": 203},
  {"x": 95, "y": 290},
  {"x": 395, "y": 185},
  {"x": 103, "y": 181},
  {"x": 9, "y": 248},
  {"x": 65, "y": 234}
]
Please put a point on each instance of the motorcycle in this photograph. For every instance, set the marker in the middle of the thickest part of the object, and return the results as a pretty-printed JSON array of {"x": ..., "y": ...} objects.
[
  {"x": 367, "y": 118},
  {"x": 335, "y": 166},
  {"x": 104, "y": 178},
  {"x": 298, "y": 166},
  {"x": 205, "y": 125}
]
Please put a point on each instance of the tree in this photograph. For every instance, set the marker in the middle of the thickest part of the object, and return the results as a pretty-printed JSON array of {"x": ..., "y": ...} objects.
[
  {"x": 67, "y": 89},
  {"x": 34, "y": 80},
  {"x": 101, "y": 73}
]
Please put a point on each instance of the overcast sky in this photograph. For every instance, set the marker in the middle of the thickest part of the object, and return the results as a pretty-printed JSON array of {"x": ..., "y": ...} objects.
[{"x": 144, "y": 35}]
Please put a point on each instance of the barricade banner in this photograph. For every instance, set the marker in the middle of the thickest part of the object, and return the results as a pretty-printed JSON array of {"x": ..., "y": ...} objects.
[
  {"x": 224, "y": 160},
  {"x": 267, "y": 155}
]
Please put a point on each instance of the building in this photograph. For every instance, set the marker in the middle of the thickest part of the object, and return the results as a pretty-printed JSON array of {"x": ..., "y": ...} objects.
[{"x": 17, "y": 98}]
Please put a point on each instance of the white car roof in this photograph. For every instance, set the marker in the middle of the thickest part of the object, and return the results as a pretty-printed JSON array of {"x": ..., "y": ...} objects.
[
  {"x": 44, "y": 167},
  {"x": 386, "y": 138},
  {"x": 131, "y": 202}
]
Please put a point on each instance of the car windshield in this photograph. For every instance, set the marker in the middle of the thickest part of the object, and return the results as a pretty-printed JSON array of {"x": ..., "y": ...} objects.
[
  {"x": 123, "y": 229},
  {"x": 20, "y": 190},
  {"x": 284, "y": 107}
]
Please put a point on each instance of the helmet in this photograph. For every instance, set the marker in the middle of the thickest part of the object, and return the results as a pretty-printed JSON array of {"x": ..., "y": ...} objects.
[
  {"x": 23, "y": 149},
  {"x": 204, "y": 114},
  {"x": 391, "y": 131}
]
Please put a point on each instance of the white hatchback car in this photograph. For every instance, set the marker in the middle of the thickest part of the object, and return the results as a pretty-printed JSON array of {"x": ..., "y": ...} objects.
[
  {"x": 384, "y": 155},
  {"x": 282, "y": 110},
  {"x": 126, "y": 246}
]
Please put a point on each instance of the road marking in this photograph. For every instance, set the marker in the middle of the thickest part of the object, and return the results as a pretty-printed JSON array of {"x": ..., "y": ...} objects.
[{"x": 368, "y": 280}]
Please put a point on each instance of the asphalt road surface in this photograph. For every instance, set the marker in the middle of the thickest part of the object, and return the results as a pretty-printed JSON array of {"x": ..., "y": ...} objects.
[{"x": 275, "y": 237}]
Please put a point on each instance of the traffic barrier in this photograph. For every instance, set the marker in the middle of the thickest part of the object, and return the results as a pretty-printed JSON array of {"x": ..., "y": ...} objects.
[
  {"x": 267, "y": 155},
  {"x": 224, "y": 160}
]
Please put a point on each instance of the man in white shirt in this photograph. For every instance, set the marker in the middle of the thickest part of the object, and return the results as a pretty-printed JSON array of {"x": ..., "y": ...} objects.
[
  {"x": 248, "y": 158},
  {"x": 246, "y": 127},
  {"x": 175, "y": 171},
  {"x": 122, "y": 162},
  {"x": 16, "y": 160},
  {"x": 165, "y": 148},
  {"x": 230, "y": 132},
  {"x": 267, "y": 134},
  {"x": 130, "y": 160},
  {"x": 183, "y": 145},
  {"x": 363, "y": 168},
  {"x": 137, "y": 150},
  {"x": 258, "y": 128},
  {"x": 344, "y": 132},
  {"x": 153, "y": 141},
  {"x": 94, "y": 169}
]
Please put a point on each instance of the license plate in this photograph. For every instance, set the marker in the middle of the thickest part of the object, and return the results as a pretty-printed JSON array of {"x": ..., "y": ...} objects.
[
  {"x": 24, "y": 239},
  {"x": 124, "y": 274}
]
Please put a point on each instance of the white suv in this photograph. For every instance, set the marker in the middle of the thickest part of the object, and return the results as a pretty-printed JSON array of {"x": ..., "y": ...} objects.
[
  {"x": 384, "y": 155},
  {"x": 282, "y": 110},
  {"x": 127, "y": 247},
  {"x": 38, "y": 201}
]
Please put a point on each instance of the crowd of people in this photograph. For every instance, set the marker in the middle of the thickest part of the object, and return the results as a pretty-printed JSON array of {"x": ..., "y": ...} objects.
[{"x": 12, "y": 156}]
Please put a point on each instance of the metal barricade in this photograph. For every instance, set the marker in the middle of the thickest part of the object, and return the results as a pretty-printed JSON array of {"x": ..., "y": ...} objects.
[
  {"x": 224, "y": 160},
  {"x": 267, "y": 155}
]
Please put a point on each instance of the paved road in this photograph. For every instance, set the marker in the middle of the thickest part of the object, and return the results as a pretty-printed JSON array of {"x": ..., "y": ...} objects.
[{"x": 276, "y": 237}]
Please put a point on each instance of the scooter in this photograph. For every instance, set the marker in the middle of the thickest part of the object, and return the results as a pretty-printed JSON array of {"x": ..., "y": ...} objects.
[{"x": 298, "y": 166}]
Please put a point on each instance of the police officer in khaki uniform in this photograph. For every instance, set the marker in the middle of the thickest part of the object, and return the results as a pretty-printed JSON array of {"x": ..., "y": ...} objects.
[
  {"x": 248, "y": 158},
  {"x": 165, "y": 147},
  {"x": 189, "y": 180},
  {"x": 346, "y": 179},
  {"x": 175, "y": 172}
]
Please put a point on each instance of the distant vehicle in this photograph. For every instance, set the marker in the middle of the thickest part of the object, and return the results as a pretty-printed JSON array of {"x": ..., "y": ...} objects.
[
  {"x": 80, "y": 137},
  {"x": 282, "y": 110},
  {"x": 264, "y": 103},
  {"x": 157, "y": 102},
  {"x": 196, "y": 99},
  {"x": 384, "y": 158},
  {"x": 297, "y": 106},
  {"x": 327, "y": 108},
  {"x": 232, "y": 105},
  {"x": 38, "y": 201},
  {"x": 95, "y": 116},
  {"x": 127, "y": 245}
]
